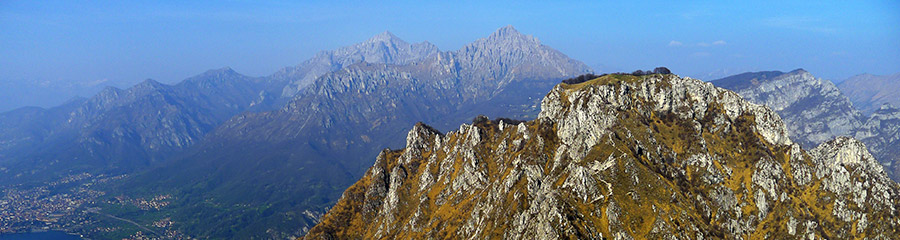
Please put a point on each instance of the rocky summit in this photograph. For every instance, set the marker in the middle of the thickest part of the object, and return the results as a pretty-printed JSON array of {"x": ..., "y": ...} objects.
[
  {"x": 621, "y": 157},
  {"x": 382, "y": 48}
]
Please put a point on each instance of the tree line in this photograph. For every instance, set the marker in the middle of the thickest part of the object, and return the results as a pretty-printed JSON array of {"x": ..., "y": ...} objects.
[{"x": 589, "y": 76}]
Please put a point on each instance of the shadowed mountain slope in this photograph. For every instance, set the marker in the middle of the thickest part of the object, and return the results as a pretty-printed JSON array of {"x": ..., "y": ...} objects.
[
  {"x": 120, "y": 130},
  {"x": 868, "y": 92}
]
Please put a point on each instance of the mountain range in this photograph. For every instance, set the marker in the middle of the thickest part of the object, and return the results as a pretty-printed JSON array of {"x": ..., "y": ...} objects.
[
  {"x": 623, "y": 157},
  {"x": 816, "y": 110},
  {"x": 382, "y": 48},
  {"x": 256, "y": 164},
  {"x": 267, "y": 157},
  {"x": 868, "y": 92},
  {"x": 118, "y": 131}
]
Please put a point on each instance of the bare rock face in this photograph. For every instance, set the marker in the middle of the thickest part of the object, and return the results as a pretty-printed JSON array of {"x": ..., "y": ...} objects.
[
  {"x": 813, "y": 109},
  {"x": 487, "y": 64},
  {"x": 507, "y": 56},
  {"x": 621, "y": 157},
  {"x": 382, "y": 48},
  {"x": 881, "y": 134},
  {"x": 858, "y": 181}
]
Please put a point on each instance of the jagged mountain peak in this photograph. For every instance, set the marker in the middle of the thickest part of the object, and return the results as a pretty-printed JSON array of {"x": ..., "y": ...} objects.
[
  {"x": 799, "y": 71},
  {"x": 149, "y": 83},
  {"x": 108, "y": 90},
  {"x": 381, "y": 48},
  {"x": 508, "y": 35},
  {"x": 385, "y": 36},
  {"x": 220, "y": 71},
  {"x": 494, "y": 61},
  {"x": 846, "y": 150},
  {"x": 213, "y": 77},
  {"x": 147, "y": 86},
  {"x": 111, "y": 92},
  {"x": 507, "y": 32},
  {"x": 111, "y": 97},
  {"x": 508, "y": 55}
]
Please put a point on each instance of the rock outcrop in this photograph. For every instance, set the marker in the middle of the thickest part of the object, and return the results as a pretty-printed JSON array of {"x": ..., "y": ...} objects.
[
  {"x": 621, "y": 157},
  {"x": 881, "y": 134},
  {"x": 813, "y": 109},
  {"x": 382, "y": 48}
]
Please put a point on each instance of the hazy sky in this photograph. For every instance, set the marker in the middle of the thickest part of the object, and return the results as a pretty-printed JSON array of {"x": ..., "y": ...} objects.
[{"x": 84, "y": 43}]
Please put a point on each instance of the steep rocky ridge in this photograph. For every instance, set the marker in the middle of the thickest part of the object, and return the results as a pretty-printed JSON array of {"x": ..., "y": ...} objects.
[
  {"x": 881, "y": 134},
  {"x": 621, "y": 157},
  {"x": 382, "y": 48},
  {"x": 505, "y": 56},
  {"x": 868, "y": 92},
  {"x": 322, "y": 139},
  {"x": 813, "y": 109}
]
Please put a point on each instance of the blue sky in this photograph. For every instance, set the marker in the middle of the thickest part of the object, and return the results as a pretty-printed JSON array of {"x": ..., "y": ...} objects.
[{"x": 121, "y": 43}]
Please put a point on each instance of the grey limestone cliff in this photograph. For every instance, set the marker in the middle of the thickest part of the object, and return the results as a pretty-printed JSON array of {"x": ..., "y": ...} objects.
[
  {"x": 382, "y": 48},
  {"x": 881, "y": 133},
  {"x": 813, "y": 109}
]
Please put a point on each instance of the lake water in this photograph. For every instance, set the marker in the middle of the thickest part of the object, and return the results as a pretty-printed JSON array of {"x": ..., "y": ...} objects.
[{"x": 49, "y": 235}]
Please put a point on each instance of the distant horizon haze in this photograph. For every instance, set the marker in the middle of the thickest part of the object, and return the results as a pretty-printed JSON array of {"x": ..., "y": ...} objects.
[{"x": 54, "y": 51}]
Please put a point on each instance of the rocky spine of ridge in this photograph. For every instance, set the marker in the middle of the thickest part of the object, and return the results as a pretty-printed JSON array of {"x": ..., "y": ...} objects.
[
  {"x": 813, "y": 109},
  {"x": 507, "y": 56},
  {"x": 881, "y": 134},
  {"x": 621, "y": 157},
  {"x": 382, "y": 48}
]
